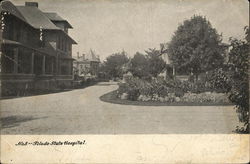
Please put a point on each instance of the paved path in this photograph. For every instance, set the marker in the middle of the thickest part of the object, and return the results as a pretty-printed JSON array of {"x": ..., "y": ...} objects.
[{"x": 81, "y": 112}]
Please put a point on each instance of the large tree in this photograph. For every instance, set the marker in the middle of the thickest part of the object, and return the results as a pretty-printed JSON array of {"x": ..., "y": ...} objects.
[
  {"x": 155, "y": 63},
  {"x": 114, "y": 63},
  {"x": 238, "y": 64},
  {"x": 139, "y": 65},
  {"x": 196, "y": 46}
]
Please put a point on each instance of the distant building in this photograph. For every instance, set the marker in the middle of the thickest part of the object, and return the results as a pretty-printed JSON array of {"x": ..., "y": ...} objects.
[
  {"x": 87, "y": 64},
  {"x": 169, "y": 71},
  {"x": 36, "y": 50},
  {"x": 165, "y": 58}
]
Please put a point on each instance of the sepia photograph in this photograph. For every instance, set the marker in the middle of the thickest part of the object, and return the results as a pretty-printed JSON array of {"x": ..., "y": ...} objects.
[{"x": 124, "y": 67}]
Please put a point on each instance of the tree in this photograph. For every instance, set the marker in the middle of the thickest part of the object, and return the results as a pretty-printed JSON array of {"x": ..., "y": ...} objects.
[
  {"x": 196, "y": 46},
  {"x": 155, "y": 63},
  {"x": 139, "y": 65},
  {"x": 114, "y": 64},
  {"x": 238, "y": 64}
]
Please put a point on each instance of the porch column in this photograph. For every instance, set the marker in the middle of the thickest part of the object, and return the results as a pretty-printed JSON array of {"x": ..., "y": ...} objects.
[
  {"x": 57, "y": 65},
  {"x": 32, "y": 63},
  {"x": 52, "y": 65},
  {"x": 15, "y": 61},
  {"x": 71, "y": 67},
  {"x": 43, "y": 66}
]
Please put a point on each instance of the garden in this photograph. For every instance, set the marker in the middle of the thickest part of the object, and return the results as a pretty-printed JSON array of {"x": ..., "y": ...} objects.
[
  {"x": 161, "y": 91},
  {"x": 217, "y": 72}
]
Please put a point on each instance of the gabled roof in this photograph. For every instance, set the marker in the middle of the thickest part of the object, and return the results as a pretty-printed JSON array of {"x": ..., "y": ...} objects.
[
  {"x": 89, "y": 57},
  {"x": 56, "y": 18},
  {"x": 66, "y": 35},
  {"x": 92, "y": 56},
  {"x": 36, "y": 18},
  {"x": 9, "y": 7},
  {"x": 32, "y": 16}
]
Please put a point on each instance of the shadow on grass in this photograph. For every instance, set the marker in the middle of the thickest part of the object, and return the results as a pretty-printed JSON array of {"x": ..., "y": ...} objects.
[
  {"x": 111, "y": 97},
  {"x": 13, "y": 121}
]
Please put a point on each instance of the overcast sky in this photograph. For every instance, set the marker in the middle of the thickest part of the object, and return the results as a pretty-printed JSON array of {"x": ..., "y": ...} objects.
[{"x": 109, "y": 26}]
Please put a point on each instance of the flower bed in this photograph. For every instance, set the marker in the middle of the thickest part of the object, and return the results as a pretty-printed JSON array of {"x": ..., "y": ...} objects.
[
  {"x": 159, "y": 90},
  {"x": 111, "y": 97}
]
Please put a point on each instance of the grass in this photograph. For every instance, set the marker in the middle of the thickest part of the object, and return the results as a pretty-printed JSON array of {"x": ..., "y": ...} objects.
[{"x": 111, "y": 97}]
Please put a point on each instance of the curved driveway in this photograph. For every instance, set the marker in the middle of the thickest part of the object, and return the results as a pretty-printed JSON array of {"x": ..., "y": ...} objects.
[{"x": 81, "y": 112}]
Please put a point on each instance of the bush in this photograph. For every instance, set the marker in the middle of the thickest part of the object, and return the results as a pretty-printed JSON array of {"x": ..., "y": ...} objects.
[
  {"x": 158, "y": 89},
  {"x": 133, "y": 94},
  {"x": 219, "y": 81},
  {"x": 132, "y": 87},
  {"x": 239, "y": 67},
  {"x": 153, "y": 89},
  {"x": 214, "y": 81},
  {"x": 205, "y": 97}
]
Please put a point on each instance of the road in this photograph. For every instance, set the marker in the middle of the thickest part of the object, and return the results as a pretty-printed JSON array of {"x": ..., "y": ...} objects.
[{"x": 82, "y": 112}]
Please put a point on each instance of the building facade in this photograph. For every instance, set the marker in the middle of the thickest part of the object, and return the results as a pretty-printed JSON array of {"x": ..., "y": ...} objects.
[
  {"x": 36, "y": 50},
  {"x": 87, "y": 64}
]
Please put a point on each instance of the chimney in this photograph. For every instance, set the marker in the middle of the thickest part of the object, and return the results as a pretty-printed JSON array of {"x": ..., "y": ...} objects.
[{"x": 32, "y": 4}]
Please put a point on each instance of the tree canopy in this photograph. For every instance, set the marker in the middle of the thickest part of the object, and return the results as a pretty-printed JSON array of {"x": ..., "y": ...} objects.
[
  {"x": 139, "y": 65},
  {"x": 147, "y": 65},
  {"x": 238, "y": 64},
  {"x": 114, "y": 64},
  {"x": 155, "y": 63},
  {"x": 196, "y": 46}
]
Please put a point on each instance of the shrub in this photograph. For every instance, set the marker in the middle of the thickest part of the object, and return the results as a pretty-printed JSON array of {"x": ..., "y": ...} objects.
[
  {"x": 219, "y": 80},
  {"x": 205, "y": 97},
  {"x": 133, "y": 94},
  {"x": 239, "y": 66},
  {"x": 161, "y": 90},
  {"x": 179, "y": 92}
]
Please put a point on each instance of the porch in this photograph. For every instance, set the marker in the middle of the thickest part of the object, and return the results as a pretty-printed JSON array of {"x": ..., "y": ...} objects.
[{"x": 24, "y": 69}]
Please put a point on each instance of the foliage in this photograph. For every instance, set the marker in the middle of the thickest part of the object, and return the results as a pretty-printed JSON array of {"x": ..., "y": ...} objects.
[
  {"x": 155, "y": 63},
  {"x": 238, "y": 64},
  {"x": 139, "y": 65},
  {"x": 148, "y": 65},
  {"x": 114, "y": 64},
  {"x": 196, "y": 46},
  {"x": 205, "y": 97},
  {"x": 219, "y": 80},
  {"x": 165, "y": 91}
]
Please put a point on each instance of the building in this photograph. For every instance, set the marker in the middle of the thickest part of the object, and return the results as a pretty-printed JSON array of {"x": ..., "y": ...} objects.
[
  {"x": 87, "y": 64},
  {"x": 169, "y": 71},
  {"x": 36, "y": 50}
]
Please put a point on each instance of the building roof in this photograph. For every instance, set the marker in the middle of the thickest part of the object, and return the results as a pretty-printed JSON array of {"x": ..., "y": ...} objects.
[
  {"x": 14, "y": 43},
  {"x": 9, "y": 7},
  {"x": 36, "y": 18},
  {"x": 93, "y": 57},
  {"x": 89, "y": 57},
  {"x": 166, "y": 58},
  {"x": 33, "y": 16},
  {"x": 56, "y": 18}
]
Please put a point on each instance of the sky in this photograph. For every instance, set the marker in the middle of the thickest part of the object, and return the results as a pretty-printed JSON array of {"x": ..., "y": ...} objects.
[{"x": 109, "y": 26}]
